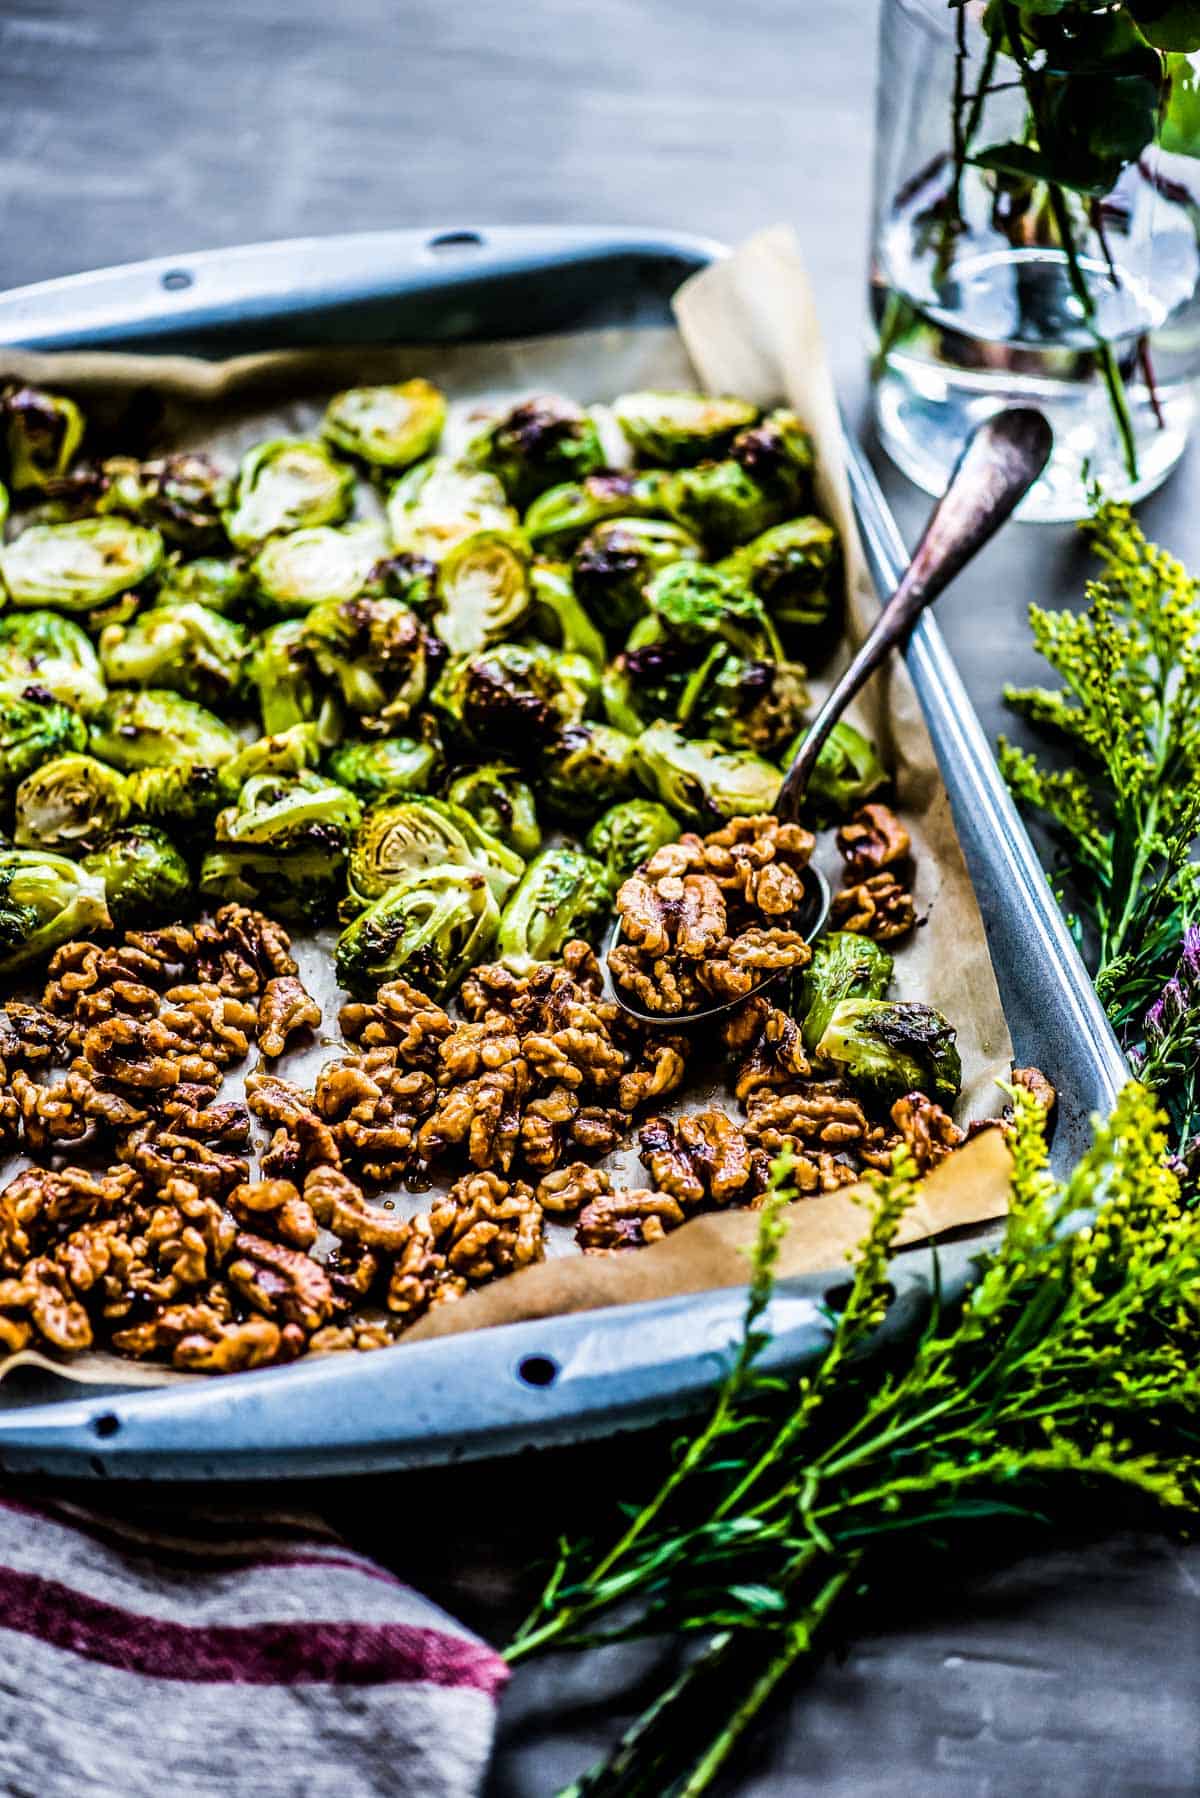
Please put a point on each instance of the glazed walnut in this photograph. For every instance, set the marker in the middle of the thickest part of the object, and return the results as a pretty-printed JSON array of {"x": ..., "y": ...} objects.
[
  {"x": 879, "y": 907},
  {"x": 929, "y": 1131},
  {"x": 873, "y": 839},
  {"x": 627, "y": 1220}
]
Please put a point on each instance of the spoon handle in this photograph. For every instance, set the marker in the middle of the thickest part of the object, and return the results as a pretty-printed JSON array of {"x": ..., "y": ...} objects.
[{"x": 1001, "y": 461}]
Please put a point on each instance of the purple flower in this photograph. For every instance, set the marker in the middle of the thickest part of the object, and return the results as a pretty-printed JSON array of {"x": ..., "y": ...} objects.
[
  {"x": 1170, "y": 1006},
  {"x": 1189, "y": 960}
]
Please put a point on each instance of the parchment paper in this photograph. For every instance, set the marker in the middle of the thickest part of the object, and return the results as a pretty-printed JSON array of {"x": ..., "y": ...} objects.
[{"x": 746, "y": 325}]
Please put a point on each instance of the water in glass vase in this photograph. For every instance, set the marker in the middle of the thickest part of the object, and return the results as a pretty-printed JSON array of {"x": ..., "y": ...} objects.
[{"x": 993, "y": 312}]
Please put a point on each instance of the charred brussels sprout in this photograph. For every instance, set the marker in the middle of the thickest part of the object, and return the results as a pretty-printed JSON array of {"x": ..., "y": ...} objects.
[
  {"x": 184, "y": 647},
  {"x": 558, "y": 518},
  {"x": 501, "y": 803},
  {"x": 296, "y": 750},
  {"x": 888, "y": 1047},
  {"x": 722, "y": 504},
  {"x": 704, "y": 780},
  {"x": 558, "y": 617},
  {"x": 279, "y": 668},
  {"x": 615, "y": 561},
  {"x": 374, "y": 652},
  {"x": 483, "y": 591},
  {"x": 389, "y": 427},
  {"x": 183, "y": 795},
  {"x": 628, "y": 834},
  {"x": 283, "y": 843},
  {"x": 68, "y": 804},
  {"x": 42, "y": 432},
  {"x": 795, "y": 570},
  {"x": 439, "y": 502},
  {"x": 514, "y": 697},
  {"x": 778, "y": 454},
  {"x": 33, "y": 729},
  {"x": 744, "y": 703},
  {"x": 430, "y": 929},
  {"x": 76, "y": 567},
  {"x": 384, "y": 767},
  {"x": 148, "y": 727},
  {"x": 563, "y": 894},
  {"x": 694, "y": 604},
  {"x": 287, "y": 484},
  {"x": 847, "y": 773},
  {"x": 144, "y": 874},
  {"x": 45, "y": 900},
  {"x": 540, "y": 443},
  {"x": 844, "y": 965},
  {"x": 396, "y": 841},
  {"x": 587, "y": 767},
  {"x": 679, "y": 429},
  {"x": 183, "y": 496},
  {"x": 301, "y": 569},
  {"x": 221, "y": 586},
  {"x": 410, "y": 578},
  {"x": 41, "y": 649}
]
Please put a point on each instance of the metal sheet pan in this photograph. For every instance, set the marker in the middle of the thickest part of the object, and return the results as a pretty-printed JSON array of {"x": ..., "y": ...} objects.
[{"x": 559, "y": 1379}]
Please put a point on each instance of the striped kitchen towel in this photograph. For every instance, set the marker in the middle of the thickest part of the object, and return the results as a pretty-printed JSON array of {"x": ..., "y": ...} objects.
[{"x": 224, "y": 1657}]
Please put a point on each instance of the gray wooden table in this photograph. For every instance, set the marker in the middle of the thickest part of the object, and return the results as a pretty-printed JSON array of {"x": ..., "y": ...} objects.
[{"x": 138, "y": 127}]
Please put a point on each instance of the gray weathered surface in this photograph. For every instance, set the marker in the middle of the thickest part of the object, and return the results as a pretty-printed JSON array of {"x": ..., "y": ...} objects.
[{"x": 137, "y": 127}]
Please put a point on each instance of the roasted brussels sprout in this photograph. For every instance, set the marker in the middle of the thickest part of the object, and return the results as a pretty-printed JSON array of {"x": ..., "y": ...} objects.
[
  {"x": 514, "y": 697},
  {"x": 41, "y": 649},
  {"x": 483, "y": 591},
  {"x": 410, "y": 578},
  {"x": 45, "y": 900},
  {"x": 383, "y": 768},
  {"x": 395, "y": 841},
  {"x": 558, "y": 518},
  {"x": 439, "y": 502},
  {"x": 844, "y": 965},
  {"x": 301, "y": 569},
  {"x": 302, "y": 884},
  {"x": 184, "y": 647},
  {"x": 221, "y": 586},
  {"x": 183, "y": 496},
  {"x": 847, "y": 773},
  {"x": 183, "y": 795},
  {"x": 614, "y": 562},
  {"x": 563, "y": 894},
  {"x": 33, "y": 729},
  {"x": 587, "y": 767},
  {"x": 795, "y": 570},
  {"x": 287, "y": 484},
  {"x": 744, "y": 703},
  {"x": 389, "y": 427},
  {"x": 68, "y": 804},
  {"x": 501, "y": 803},
  {"x": 76, "y": 567},
  {"x": 778, "y": 454},
  {"x": 679, "y": 429},
  {"x": 628, "y": 834},
  {"x": 722, "y": 504},
  {"x": 285, "y": 842},
  {"x": 296, "y": 750},
  {"x": 280, "y": 670},
  {"x": 704, "y": 780},
  {"x": 42, "y": 432},
  {"x": 146, "y": 727},
  {"x": 558, "y": 617},
  {"x": 540, "y": 443},
  {"x": 429, "y": 929},
  {"x": 693, "y": 604},
  {"x": 374, "y": 651},
  {"x": 144, "y": 874},
  {"x": 888, "y": 1047}
]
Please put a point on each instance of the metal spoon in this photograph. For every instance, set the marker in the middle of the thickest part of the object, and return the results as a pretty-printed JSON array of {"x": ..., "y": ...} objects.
[{"x": 1002, "y": 459}]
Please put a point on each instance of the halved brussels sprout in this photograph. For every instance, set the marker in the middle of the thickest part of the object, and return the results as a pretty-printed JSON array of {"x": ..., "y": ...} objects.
[
  {"x": 557, "y": 616},
  {"x": 628, "y": 834},
  {"x": 184, "y": 647},
  {"x": 500, "y": 801},
  {"x": 563, "y": 894},
  {"x": 398, "y": 840},
  {"x": 289, "y": 811},
  {"x": 184, "y": 496},
  {"x": 430, "y": 929},
  {"x": 847, "y": 772},
  {"x": 302, "y": 884},
  {"x": 296, "y": 750},
  {"x": 745, "y": 703},
  {"x": 386, "y": 426},
  {"x": 845, "y": 965},
  {"x": 76, "y": 567},
  {"x": 614, "y": 562},
  {"x": 778, "y": 454},
  {"x": 281, "y": 672},
  {"x": 42, "y": 432},
  {"x": 375, "y": 651},
  {"x": 410, "y": 578},
  {"x": 514, "y": 697},
  {"x": 695, "y": 604},
  {"x": 722, "y": 504},
  {"x": 383, "y": 768},
  {"x": 889, "y": 1047},
  {"x": 287, "y": 484},
  {"x": 146, "y": 727},
  {"x": 184, "y": 795},
  {"x": 439, "y": 502},
  {"x": 703, "y": 780},
  {"x": 301, "y": 569},
  {"x": 221, "y": 586},
  {"x": 483, "y": 591},
  {"x": 45, "y": 900},
  {"x": 558, "y": 518},
  {"x": 795, "y": 570},
  {"x": 69, "y": 804},
  {"x": 144, "y": 874},
  {"x": 33, "y": 729},
  {"x": 587, "y": 767},
  {"x": 681, "y": 428},
  {"x": 539, "y": 443}
]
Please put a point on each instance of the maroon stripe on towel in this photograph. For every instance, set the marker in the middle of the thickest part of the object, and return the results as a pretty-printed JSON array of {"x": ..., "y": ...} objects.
[{"x": 260, "y": 1654}]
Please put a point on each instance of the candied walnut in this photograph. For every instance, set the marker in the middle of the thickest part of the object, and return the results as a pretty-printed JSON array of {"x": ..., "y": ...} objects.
[
  {"x": 879, "y": 907},
  {"x": 569, "y": 1188},
  {"x": 374, "y": 1108},
  {"x": 543, "y": 1124},
  {"x": 204, "y": 1015},
  {"x": 342, "y": 1209},
  {"x": 484, "y": 1115},
  {"x": 44, "y": 1296},
  {"x": 823, "y": 1113},
  {"x": 31, "y": 1036},
  {"x": 84, "y": 968},
  {"x": 597, "y": 1129},
  {"x": 660, "y": 984},
  {"x": 873, "y": 839},
  {"x": 50, "y": 1114},
  {"x": 574, "y": 1057},
  {"x": 776, "y": 890},
  {"x": 579, "y": 961},
  {"x": 471, "y": 1049},
  {"x": 420, "y": 1278},
  {"x": 929, "y": 1131},
  {"x": 756, "y": 954},
  {"x": 1037, "y": 1085},
  {"x": 700, "y": 921},
  {"x": 703, "y": 1156},
  {"x": 401, "y": 1015},
  {"x": 281, "y": 1282},
  {"x": 275, "y": 1204},
  {"x": 644, "y": 910},
  {"x": 285, "y": 1010},
  {"x": 227, "y": 1122},
  {"x": 361, "y": 1336},
  {"x": 143, "y": 1053},
  {"x": 627, "y": 1220},
  {"x": 659, "y": 1071},
  {"x": 818, "y": 1171},
  {"x": 86, "y": 1254},
  {"x": 776, "y": 1056},
  {"x": 489, "y": 1227},
  {"x": 232, "y": 1348},
  {"x": 673, "y": 860},
  {"x": 492, "y": 988},
  {"x": 282, "y": 1104},
  {"x": 160, "y": 1154},
  {"x": 241, "y": 950}
]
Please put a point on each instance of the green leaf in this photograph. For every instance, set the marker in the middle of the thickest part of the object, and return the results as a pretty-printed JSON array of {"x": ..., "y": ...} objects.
[
  {"x": 1013, "y": 159},
  {"x": 1168, "y": 24},
  {"x": 1179, "y": 131}
]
